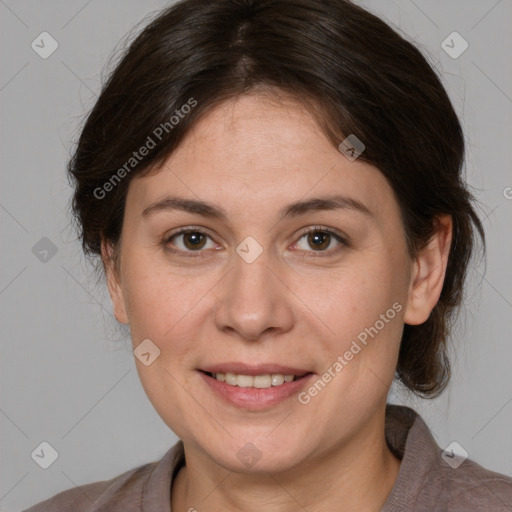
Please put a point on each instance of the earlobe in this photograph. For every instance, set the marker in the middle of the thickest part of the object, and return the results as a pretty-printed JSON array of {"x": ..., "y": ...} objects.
[
  {"x": 113, "y": 282},
  {"x": 428, "y": 273}
]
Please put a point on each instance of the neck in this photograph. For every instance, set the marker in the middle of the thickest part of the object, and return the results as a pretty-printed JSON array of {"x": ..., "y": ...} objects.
[{"x": 356, "y": 476}]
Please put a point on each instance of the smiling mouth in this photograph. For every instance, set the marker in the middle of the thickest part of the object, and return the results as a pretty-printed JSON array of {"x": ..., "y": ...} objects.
[{"x": 263, "y": 381}]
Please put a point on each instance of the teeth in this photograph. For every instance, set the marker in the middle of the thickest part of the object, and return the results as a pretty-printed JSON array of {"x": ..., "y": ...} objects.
[
  {"x": 231, "y": 379},
  {"x": 249, "y": 381},
  {"x": 243, "y": 381},
  {"x": 277, "y": 380},
  {"x": 261, "y": 381}
]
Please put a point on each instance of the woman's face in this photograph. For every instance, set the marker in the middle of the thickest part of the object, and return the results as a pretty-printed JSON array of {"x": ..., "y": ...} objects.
[{"x": 248, "y": 291}]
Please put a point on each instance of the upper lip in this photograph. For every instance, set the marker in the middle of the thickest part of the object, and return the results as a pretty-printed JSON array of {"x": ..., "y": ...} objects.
[{"x": 260, "y": 369}]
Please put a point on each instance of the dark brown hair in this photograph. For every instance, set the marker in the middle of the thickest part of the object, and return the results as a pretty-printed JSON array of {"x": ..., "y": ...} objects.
[{"x": 353, "y": 72}]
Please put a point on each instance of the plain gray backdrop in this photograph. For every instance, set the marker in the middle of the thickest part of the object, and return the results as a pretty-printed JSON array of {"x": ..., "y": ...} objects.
[{"x": 67, "y": 375}]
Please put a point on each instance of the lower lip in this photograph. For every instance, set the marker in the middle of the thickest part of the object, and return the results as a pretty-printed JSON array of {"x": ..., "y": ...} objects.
[{"x": 256, "y": 399}]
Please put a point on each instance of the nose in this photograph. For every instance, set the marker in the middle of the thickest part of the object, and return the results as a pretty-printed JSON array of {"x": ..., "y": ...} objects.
[{"x": 254, "y": 300}]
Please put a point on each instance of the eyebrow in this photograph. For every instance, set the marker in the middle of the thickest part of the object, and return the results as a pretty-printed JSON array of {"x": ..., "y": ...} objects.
[{"x": 326, "y": 203}]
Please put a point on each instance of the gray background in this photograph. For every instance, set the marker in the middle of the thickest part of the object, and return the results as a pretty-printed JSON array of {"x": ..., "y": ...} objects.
[{"x": 67, "y": 374}]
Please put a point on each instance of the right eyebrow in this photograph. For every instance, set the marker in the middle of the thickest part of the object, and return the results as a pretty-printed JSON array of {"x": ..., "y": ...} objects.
[{"x": 188, "y": 205}]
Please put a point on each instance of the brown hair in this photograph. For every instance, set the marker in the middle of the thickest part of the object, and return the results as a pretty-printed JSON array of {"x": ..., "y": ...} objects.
[{"x": 355, "y": 74}]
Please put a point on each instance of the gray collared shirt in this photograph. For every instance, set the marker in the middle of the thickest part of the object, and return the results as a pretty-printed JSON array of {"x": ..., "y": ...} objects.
[{"x": 425, "y": 482}]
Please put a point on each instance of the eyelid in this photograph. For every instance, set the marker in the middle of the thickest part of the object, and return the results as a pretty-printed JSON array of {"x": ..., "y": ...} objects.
[
  {"x": 189, "y": 229},
  {"x": 340, "y": 237},
  {"x": 324, "y": 229}
]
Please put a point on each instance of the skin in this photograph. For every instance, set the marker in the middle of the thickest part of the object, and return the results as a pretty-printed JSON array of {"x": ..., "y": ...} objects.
[{"x": 295, "y": 305}]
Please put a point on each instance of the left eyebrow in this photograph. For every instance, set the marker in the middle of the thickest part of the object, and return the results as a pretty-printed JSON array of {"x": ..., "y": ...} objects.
[
  {"x": 326, "y": 203},
  {"x": 335, "y": 202}
]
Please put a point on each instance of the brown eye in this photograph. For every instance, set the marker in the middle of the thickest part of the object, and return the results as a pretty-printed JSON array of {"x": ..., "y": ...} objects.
[
  {"x": 194, "y": 240},
  {"x": 320, "y": 240},
  {"x": 189, "y": 241}
]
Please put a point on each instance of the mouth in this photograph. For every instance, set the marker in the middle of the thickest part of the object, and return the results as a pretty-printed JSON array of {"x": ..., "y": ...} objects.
[
  {"x": 255, "y": 388},
  {"x": 261, "y": 381}
]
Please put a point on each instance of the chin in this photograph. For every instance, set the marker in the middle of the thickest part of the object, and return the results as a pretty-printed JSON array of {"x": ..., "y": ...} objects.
[{"x": 257, "y": 457}]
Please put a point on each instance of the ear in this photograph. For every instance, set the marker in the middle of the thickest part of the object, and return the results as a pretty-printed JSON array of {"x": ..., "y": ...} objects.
[
  {"x": 428, "y": 273},
  {"x": 114, "y": 281}
]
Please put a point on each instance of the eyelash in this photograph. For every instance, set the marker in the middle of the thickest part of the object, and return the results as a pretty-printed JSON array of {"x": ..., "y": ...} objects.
[{"x": 314, "y": 229}]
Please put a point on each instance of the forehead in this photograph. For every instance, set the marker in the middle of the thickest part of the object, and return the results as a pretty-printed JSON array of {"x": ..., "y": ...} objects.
[{"x": 260, "y": 150}]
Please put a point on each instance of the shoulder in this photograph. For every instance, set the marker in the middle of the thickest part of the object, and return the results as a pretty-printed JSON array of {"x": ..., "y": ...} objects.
[
  {"x": 145, "y": 487},
  {"x": 472, "y": 487},
  {"x": 432, "y": 479},
  {"x": 114, "y": 494}
]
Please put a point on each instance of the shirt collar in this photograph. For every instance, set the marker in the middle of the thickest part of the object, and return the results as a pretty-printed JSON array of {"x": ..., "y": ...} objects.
[{"x": 410, "y": 439}]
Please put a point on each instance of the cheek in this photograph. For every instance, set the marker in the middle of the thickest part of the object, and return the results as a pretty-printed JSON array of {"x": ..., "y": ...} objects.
[
  {"x": 170, "y": 308},
  {"x": 155, "y": 299},
  {"x": 163, "y": 308},
  {"x": 358, "y": 297},
  {"x": 363, "y": 313}
]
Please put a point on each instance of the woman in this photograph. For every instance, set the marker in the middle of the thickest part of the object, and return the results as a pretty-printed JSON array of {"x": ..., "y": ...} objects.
[{"x": 274, "y": 189}]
